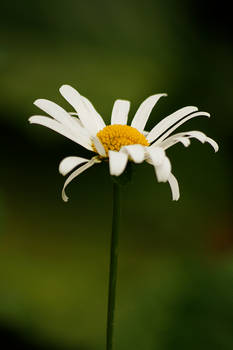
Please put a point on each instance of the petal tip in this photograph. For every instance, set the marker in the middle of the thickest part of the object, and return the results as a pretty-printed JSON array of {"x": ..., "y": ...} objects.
[
  {"x": 61, "y": 171},
  {"x": 215, "y": 146},
  {"x": 64, "y": 197},
  {"x": 64, "y": 86},
  {"x": 205, "y": 114},
  {"x": 37, "y": 101}
]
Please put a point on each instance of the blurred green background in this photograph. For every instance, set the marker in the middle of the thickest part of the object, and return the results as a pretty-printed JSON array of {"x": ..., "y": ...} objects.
[{"x": 175, "y": 283}]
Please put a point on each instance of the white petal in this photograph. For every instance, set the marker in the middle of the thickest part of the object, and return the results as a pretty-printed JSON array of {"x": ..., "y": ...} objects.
[
  {"x": 76, "y": 173},
  {"x": 202, "y": 138},
  {"x": 92, "y": 110},
  {"x": 195, "y": 134},
  {"x": 61, "y": 129},
  {"x": 135, "y": 152},
  {"x": 213, "y": 144},
  {"x": 167, "y": 122},
  {"x": 120, "y": 112},
  {"x": 173, "y": 140},
  {"x": 170, "y": 130},
  {"x": 156, "y": 155},
  {"x": 117, "y": 162},
  {"x": 59, "y": 114},
  {"x": 184, "y": 140},
  {"x": 170, "y": 141},
  {"x": 89, "y": 120},
  {"x": 99, "y": 147},
  {"x": 144, "y": 110},
  {"x": 161, "y": 163},
  {"x": 69, "y": 163},
  {"x": 163, "y": 170},
  {"x": 76, "y": 119},
  {"x": 174, "y": 187}
]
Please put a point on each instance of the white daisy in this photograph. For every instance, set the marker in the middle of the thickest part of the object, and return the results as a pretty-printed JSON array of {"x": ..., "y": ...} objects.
[{"x": 118, "y": 142}]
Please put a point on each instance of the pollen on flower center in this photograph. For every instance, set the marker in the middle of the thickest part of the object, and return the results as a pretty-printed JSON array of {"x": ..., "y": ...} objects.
[{"x": 113, "y": 137}]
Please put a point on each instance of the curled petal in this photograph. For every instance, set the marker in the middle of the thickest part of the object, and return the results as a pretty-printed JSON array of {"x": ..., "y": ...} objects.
[
  {"x": 174, "y": 187},
  {"x": 69, "y": 163},
  {"x": 173, "y": 140},
  {"x": 213, "y": 144},
  {"x": 184, "y": 138},
  {"x": 76, "y": 173}
]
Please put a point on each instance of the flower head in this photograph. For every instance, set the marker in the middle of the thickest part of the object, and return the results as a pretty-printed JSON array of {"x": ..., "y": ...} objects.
[{"x": 118, "y": 143}]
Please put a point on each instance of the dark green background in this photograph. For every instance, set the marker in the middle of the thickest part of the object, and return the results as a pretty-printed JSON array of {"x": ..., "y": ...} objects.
[{"x": 175, "y": 282}]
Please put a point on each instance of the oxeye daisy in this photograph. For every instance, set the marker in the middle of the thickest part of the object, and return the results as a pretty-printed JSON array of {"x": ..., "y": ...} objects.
[{"x": 118, "y": 143}]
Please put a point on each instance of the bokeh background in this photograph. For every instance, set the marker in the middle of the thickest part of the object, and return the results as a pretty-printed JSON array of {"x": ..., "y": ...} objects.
[{"x": 175, "y": 283}]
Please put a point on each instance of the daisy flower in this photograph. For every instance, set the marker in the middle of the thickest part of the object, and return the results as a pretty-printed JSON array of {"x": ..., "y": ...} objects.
[{"x": 118, "y": 143}]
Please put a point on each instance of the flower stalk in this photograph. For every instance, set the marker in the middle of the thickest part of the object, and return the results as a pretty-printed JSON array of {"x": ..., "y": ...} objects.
[{"x": 113, "y": 266}]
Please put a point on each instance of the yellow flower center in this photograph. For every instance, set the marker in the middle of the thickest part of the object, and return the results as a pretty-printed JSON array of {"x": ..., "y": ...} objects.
[{"x": 113, "y": 137}]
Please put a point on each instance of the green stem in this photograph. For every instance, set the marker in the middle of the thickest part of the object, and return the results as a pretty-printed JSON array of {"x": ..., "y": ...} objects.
[{"x": 113, "y": 266}]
